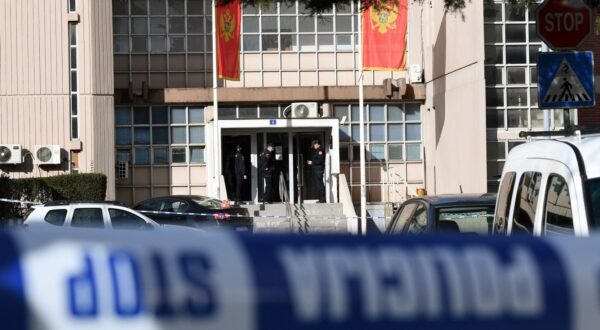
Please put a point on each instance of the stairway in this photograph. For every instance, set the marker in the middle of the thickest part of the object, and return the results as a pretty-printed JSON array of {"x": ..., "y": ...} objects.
[{"x": 306, "y": 218}]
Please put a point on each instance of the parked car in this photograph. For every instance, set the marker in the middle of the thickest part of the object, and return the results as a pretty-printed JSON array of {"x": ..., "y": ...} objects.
[
  {"x": 550, "y": 187},
  {"x": 444, "y": 213},
  {"x": 111, "y": 215},
  {"x": 199, "y": 211}
]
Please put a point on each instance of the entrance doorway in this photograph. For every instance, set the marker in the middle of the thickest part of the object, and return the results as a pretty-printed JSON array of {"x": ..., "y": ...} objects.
[
  {"x": 303, "y": 151},
  {"x": 280, "y": 162},
  {"x": 230, "y": 142},
  {"x": 292, "y": 141}
]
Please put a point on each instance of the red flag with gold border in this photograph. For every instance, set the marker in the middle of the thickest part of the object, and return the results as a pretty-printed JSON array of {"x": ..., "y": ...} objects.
[
  {"x": 228, "y": 39},
  {"x": 384, "y": 36}
]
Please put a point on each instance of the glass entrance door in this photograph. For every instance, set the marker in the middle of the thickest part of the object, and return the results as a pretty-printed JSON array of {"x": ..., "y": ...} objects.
[
  {"x": 280, "y": 162},
  {"x": 303, "y": 152},
  {"x": 229, "y": 144}
]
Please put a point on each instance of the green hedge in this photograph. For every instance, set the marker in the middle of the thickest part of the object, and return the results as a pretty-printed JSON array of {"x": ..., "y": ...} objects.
[
  {"x": 74, "y": 187},
  {"x": 6, "y": 209}
]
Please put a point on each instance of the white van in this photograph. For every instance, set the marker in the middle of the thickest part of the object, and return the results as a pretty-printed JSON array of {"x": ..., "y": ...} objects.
[{"x": 550, "y": 187}]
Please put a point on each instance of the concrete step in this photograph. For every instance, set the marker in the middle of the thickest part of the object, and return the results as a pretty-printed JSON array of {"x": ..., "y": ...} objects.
[
  {"x": 307, "y": 218},
  {"x": 330, "y": 209},
  {"x": 303, "y": 225}
]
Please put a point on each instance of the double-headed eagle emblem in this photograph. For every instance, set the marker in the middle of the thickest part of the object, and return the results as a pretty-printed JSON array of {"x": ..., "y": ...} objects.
[
  {"x": 226, "y": 25},
  {"x": 384, "y": 19}
]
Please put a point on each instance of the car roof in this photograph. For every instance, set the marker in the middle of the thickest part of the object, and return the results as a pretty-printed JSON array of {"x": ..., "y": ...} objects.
[
  {"x": 564, "y": 151},
  {"x": 65, "y": 203},
  {"x": 183, "y": 197},
  {"x": 118, "y": 205},
  {"x": 457, "y": 199}
]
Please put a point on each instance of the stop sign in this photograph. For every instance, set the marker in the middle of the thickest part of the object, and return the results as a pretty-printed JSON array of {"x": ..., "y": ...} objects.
[{"x": 564, "y": 24}]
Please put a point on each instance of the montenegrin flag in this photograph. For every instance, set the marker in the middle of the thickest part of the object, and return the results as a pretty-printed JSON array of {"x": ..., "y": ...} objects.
[
  {"x": 228, "y": 39},
  {"x": 384, "y": 36}
]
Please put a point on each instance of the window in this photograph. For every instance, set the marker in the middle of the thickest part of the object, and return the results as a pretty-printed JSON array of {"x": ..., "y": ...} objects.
[
  {"x": 593, "y": 201},
  {"x": 393, "y": 138},
  {"x": 150, "y": 205},
  {"x": 288, "y": 26},
  {"x": 173, "y": 205},
  {"x": 73, "y": 75},
  {"x": 384, "y": 123},
  {"x": 418, "y": 223},
  {"x": 56, "y": 217},
  {"x": 511, "y": 48},
  {"x": 150, "y": 131},
  {"x": 121, "y": 219},
  {"x": 87, "y": 218},
  {"x": 476, "y": 220},
  {"x": 164, "y": 43},
  {"x": 558, "y": 217},
  {"x": 503, "y": 203},
  {"x": 402, "y": 217},
  {"x": 527, "y": 198}
]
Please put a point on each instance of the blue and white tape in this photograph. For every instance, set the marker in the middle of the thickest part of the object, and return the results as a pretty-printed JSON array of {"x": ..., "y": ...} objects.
[
  {"x": 88, "y": 279},
  {"x": 325, "y": 217},
  {"x": 16, "y": 201}
]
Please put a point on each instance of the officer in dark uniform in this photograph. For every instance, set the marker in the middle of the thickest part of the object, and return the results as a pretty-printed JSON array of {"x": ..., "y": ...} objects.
[
  {"x": 267, "y": 168},
  {"x": 318, "y": 166},
  {"x": 239, "y": 172}
]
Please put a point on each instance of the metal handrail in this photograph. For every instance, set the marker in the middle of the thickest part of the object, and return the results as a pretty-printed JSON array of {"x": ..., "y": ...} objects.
[
  {"x": 285, "y": 198},
  {"x": 300, "y": 178}
]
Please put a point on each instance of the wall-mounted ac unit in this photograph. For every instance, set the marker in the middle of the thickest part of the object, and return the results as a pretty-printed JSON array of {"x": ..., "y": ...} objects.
[
  {"x": 305, "y": 110},
  {"x": 10, "y": 154},
  {"x": 47, "y": 154}
]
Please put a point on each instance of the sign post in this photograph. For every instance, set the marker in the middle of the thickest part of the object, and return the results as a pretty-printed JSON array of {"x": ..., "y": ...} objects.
[
  {"x": 566, "y": 80},
  {"x": 564, "y": 24}
]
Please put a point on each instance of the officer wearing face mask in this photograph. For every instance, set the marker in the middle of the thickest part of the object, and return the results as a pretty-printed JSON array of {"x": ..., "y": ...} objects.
[
  {"x": 318, "y": 167},
  {"x": 239, "y": 172},
  {"x": 267, "y": 168}
]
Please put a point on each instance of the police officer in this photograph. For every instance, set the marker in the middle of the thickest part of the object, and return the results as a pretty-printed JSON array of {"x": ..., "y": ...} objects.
[
  {"x": 239, "y": 172},
  {"x": 267, "y": 168},
  {"x": 318, "y": 166}
]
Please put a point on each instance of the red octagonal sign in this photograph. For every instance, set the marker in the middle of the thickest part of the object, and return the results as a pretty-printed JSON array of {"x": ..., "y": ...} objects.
[{"x": 564, "y": 24}]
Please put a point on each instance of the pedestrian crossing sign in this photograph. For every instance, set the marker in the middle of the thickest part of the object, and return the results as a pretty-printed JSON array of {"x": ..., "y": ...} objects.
[{"x": 566, "y": 80}]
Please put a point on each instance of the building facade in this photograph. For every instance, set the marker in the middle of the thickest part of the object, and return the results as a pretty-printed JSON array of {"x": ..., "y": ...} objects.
[
  {"x": 56, "y": 88},
  {"x": 511, "y": 49},
  {"x": 151, "y": 61}
]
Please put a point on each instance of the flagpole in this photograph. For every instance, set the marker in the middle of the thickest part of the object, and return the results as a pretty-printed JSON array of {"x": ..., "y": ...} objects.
[
  {"x": 216, "y": 132},
  {"x": 361, "y": 102}
]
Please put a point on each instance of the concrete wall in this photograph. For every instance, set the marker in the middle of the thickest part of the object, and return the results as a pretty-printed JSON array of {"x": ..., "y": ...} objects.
[
  {"x": 454, "y": 113},
  {"x": 34, "y": 84}
]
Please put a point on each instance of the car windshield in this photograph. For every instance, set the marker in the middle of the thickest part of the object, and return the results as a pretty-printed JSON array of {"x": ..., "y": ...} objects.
[
  {"x": 593, "y": 198},
  {"x": 209, "y": 203},
  {"x": 466, "y": 219}
]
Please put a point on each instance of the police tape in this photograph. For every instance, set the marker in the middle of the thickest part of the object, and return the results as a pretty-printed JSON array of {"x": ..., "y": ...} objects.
[
  {"x": 181, "y": 279},
  {"x": 322, "y": 217},
  {"x": 16, "y": 201},
  {"x": 220, "y": 214}
]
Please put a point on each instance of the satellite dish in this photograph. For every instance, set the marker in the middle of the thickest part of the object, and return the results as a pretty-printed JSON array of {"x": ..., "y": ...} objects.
[
  {"x": 44, "y": 154},
  {"x": 5, "y": 154}
]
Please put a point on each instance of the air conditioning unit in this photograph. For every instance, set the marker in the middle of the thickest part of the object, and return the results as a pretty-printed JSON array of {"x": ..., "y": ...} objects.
[
  {"x": 47, "y": 154},
  {"x": 305, "y": 110},
  {"x": 10, "y": 154}
]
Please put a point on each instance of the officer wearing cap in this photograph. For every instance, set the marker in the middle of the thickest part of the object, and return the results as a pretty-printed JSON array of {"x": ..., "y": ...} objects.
[
  {"x": 318, "y": 166},
  {"x": 240, "y": 173},
  {"x": 267, "y": 168}
]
